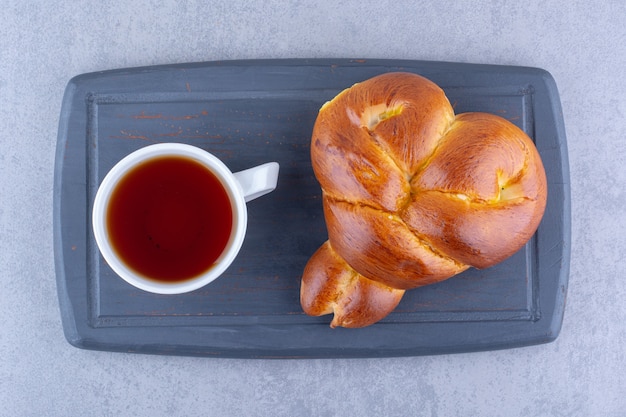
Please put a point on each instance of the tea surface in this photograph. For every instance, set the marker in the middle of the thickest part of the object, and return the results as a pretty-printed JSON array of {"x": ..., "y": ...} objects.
[{"x": 169, "y": 219}]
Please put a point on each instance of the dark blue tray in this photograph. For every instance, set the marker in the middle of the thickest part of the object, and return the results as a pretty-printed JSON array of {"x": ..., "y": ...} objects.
[{"x": 249, "y": 112}]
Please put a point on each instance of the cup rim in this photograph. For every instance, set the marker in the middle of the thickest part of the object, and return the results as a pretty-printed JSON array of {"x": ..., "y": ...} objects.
[{"x": 122, "y": 167}]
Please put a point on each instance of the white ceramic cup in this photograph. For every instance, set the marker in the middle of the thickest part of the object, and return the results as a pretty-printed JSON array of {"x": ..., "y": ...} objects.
[{"x": 241, "y": 187}]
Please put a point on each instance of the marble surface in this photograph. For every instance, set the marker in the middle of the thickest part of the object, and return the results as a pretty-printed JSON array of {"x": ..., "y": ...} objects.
[{"x": 582, "y": 44}]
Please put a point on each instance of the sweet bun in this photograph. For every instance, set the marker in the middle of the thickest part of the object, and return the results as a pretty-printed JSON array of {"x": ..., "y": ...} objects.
[{"x": 413, "y": 195}]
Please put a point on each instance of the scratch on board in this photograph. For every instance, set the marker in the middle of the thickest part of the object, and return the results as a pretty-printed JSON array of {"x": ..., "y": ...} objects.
[
  {"x": 129, "y": 135},
  {"x": 147, "y": 116}
]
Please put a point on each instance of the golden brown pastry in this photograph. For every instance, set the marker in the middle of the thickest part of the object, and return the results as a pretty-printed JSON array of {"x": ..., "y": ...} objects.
[{"x": 413, "y": 195}]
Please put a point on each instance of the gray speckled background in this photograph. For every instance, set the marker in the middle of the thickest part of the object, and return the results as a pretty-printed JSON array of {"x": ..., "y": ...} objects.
[{"x": 583, "y": 45}]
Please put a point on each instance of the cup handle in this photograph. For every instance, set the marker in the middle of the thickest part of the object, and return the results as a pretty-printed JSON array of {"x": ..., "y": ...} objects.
[{"x": 257, "y": 181}]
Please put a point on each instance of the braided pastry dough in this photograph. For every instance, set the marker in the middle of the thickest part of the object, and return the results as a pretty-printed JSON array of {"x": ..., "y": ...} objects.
[{"x": 413, "y": 195}]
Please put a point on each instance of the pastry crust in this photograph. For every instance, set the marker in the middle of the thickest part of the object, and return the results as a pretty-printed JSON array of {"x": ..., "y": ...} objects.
[{"x": 413, "y": 194}]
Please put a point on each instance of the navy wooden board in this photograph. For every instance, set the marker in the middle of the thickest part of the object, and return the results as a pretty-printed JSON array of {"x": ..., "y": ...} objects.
[{"x": 251, "y": 112}]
